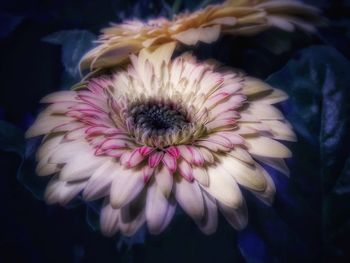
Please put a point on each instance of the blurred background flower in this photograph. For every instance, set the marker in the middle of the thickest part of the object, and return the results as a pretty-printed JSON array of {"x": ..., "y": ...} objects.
[{"x": 43, "y": 41}]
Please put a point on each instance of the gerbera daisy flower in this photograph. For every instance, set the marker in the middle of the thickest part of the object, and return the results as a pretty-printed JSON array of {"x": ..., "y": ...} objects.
[
  {"x": 162, "y": 132},
  {"x": 245, "y": 17}
]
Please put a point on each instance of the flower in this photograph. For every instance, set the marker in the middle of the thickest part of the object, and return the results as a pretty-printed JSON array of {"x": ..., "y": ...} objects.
[
  {"x": 163, "y": 132},
  {"x": 244, "y": 17}
]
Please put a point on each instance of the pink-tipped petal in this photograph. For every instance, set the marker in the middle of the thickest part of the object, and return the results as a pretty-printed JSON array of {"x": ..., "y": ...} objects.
[
  {"x": 147, "y": 173},
  {"x": 185, "y": 170},
  {"x": 174, "y": 151},
  {"x": 155, "y": 159},
  {"x": 170, "y": 162}
]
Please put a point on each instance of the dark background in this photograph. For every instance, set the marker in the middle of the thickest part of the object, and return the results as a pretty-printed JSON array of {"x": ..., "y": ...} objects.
[{"x": 40, "y": 45}]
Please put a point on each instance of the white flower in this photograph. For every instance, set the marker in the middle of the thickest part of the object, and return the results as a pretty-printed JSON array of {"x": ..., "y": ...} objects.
[
  {"x": 236, "y": 17},
  {"x": 163, "y": 132}
]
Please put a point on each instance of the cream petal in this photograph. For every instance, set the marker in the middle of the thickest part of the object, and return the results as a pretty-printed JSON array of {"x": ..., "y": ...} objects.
[
  {"x": 238, "y": 218},
  {"x": 68, "y": 150},
  {"x": 170, "y": 162},
  {"x": 126, "y": 185},
  {"x": 111, "y": 56},
  {"x": 164, "y": 180},
  {"x": 62, "y": 192},
  {"x": 223, "y": 187},
  {"x": 100, "y": 182},
  {"x": 159, "y": 210},
  {"x": 189, "y": 196},
  {"x": 209, "y": 222},
  {"x": 185, "y": 153},
  {"x": 281, "y": 130},
  {"x": 266, "y": 147},
  {"x": 60, "y": 96},
  {"x": 135, "y": 158},
  {"x": 191, "y": 154},
  {"x": 288, "y": 6},
  {"x": 273, "y": 97},
  {"x": 68, "y": 127},
  {"x": 266, "y": 196},
  {"x": 264, "y": 112},
  {"x": 254, "y": 86},
  {"x": 75, "y": 134},
  {"x": 276, "y": 163},
  {"x": 44, "y": 169},
  {"x": 193, "y": 35},
  {"x": 241, "y": 155},
  {"x": 229, "y": 21},
  {"x": 80, "y": 166},
  {"x": 213, "y": 146},
  {"x": 132, "y": 215},
  {"x": 221, "y": 124},
  {"x": 58, "y": 108},
  {"x": 244, "y": 129},
  {"x": 207, "y": 155},
  {"x": 109, "y": 220},
  {"x": 244, "y": 174},
  {"x": 232, "y": 137},
  {"x": 185, "y": 170},
  {"x": 201, "y": 175},
  {"x": 48, "y": 147},
  {"x": 45, "y": 123}
]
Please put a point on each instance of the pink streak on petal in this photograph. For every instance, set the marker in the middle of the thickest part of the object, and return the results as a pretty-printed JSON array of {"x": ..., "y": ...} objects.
[
  {"x": 174, "y": 151},
  {"x": 145, "y": 150},
  {"x": 170, "y": 162},
  {"x": 147, "y": 173},
  {"x": 135, "y": 158},
  {"x": 155, "y": 159}
]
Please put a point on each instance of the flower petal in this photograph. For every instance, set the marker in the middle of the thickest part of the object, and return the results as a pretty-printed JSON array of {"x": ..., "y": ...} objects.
[
  {"x": 159, "y": 210},
  {"x": 238, "y": 218},
  {"x": 266, "y": 147},
  {"x": 126, "y": 185},
  {"x": 185, "y": 170},
  {"x": 99, "y": 183},
  {"x": 223, "y": 187},
  {"x": 208, "y": 224},
  {"x": 201, "y": 175},
  {"x": 246, "y": 175},
  {"x": 189, "y": 196},
  {"x": 164, "y": 180},
  {"x": 109, "y": 220},
  {"x": 80, "y": 167}
]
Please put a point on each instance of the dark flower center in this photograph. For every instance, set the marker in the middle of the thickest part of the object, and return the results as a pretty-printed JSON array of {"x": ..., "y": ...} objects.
[{"x": 158, "y": 117}]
